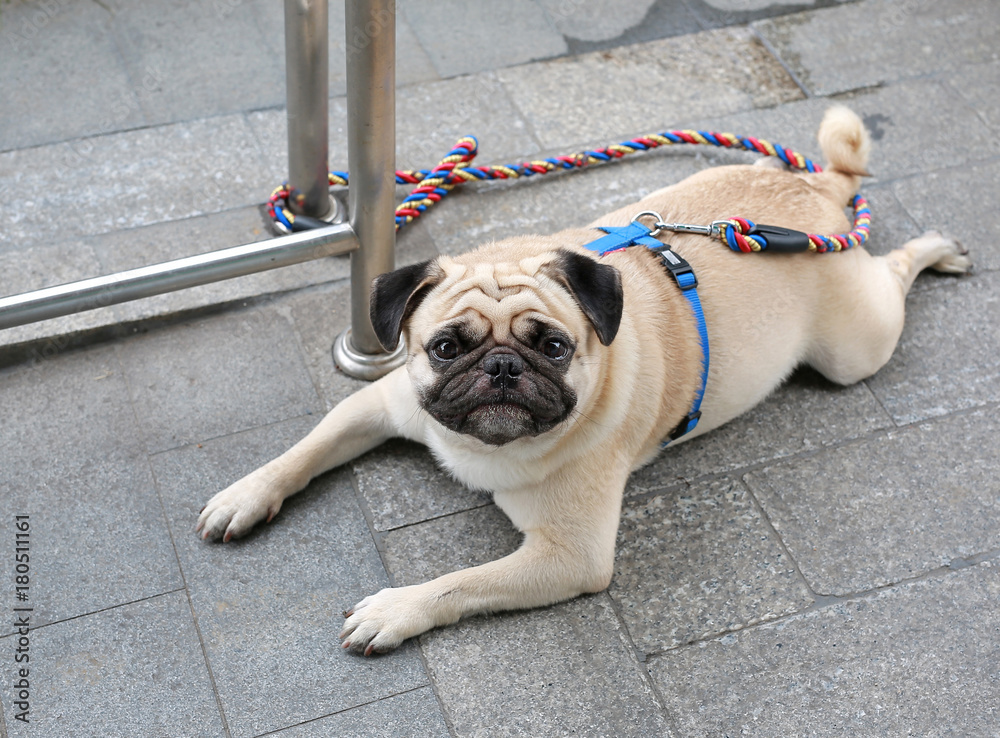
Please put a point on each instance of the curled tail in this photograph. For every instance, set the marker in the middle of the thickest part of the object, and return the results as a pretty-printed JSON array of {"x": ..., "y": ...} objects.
[{"x": 845, "y": 142}]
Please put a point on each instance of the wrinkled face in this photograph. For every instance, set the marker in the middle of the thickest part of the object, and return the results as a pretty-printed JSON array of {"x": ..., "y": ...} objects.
[
  {"x": 498, "y": 385},
  {"x": 497, "y": 346}
]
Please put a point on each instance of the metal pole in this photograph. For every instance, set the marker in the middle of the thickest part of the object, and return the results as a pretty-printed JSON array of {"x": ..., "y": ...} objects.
[
  {"x": 307, "y": 69},
  {"x": 371, "y": 156},
  {"x": 190, "y": 271}
]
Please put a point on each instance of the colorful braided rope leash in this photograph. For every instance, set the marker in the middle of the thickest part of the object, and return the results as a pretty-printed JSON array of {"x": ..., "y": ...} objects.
[{"x": 740, "y": 234}]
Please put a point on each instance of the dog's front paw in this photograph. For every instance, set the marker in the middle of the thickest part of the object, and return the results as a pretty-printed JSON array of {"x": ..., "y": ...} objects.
[
  {"x": 236, "y": 509},
  {"x": 381, "y": 622}
]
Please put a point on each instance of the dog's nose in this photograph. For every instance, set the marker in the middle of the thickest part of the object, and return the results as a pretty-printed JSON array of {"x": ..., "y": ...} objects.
[{"x": 504, "y": 369}]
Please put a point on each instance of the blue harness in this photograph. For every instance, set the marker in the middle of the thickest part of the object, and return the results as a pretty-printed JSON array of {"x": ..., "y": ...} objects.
[{"x": 618, "y": 238}]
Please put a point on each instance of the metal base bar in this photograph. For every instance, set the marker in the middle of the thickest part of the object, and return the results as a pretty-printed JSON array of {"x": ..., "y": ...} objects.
[
  {"x": 178, "y": 274},
  {"x": 365, "y": 366}
]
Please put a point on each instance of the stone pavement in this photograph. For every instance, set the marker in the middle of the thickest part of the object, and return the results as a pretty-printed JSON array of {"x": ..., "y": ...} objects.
[{"x": 825, "y": 565}]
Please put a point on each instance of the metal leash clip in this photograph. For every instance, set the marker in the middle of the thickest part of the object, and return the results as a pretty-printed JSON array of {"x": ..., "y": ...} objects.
[{"x": 660, "y": 225}]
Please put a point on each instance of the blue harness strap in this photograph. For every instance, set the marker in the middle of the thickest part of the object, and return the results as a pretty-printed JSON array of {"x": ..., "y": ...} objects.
[{"x": 623, "y": 237}]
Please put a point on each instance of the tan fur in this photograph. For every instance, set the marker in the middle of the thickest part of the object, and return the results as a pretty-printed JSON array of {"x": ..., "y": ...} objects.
[{"x": 766, "y": 314}]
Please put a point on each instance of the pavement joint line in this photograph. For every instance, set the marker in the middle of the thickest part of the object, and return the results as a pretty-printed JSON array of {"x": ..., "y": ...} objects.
[
  {"x": 286, "y": 312},
  {"x": 319, "y": 415},
  {"x": 109, "y": 608},
  {"x": 529, "y": 126},
  {"x": 140, "y": 430},
  {"x": 121, "y": 131},
  {"x": 340, "y": 712},
  {"x": 58, "y": 240},
  {"x": 378, "y": 542},
  {"x": 180, "y": 570},
  {"x": 766, "y": 43},
  {"x": 434, "y": 518},
  {"x": 824, "y": 601},
  {"x": 875, "y": 397},
  {"x": 639, "y": 656},
  {"x": 769, "y": 525},
  {"x": 741, "y": 472}
]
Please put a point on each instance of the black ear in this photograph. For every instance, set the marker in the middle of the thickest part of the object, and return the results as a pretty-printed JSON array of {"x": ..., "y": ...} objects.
[
  {"x": 597, "y": 288},
  {"x": 396, "y": 294}
]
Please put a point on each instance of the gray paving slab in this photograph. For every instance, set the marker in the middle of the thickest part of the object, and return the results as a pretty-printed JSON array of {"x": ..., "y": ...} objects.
[
  {"x": 946, "y": 359},
  {"x": 887, "y": 508},
  {"x": 597, "y": 21},
  {"x": 807, "y": 413},
  {"x": 50, "y": 54},
  {"x": 430, "y": 118},
  {"x": 215, "y": 376},
  {"x": 401, "y": 484},
  {"x": 463, "y": 39},
  {"x": 856, "y": 45},
  {"x": 892, "y": 224},
  {"x": 177, "y": 49},
  {"x": 697, "y": 562},
  {"x": 270, "y": 605},
  {"x": 577, "y": 653},
  {"x": 564, "y": 670},
  {"x": 412, "y": 62},
  {"x": 905, "y": 120},
  {"x": 918, "y": 659},
  {"x": 944, "y": 201},
  {"x": 418, "y": 553},
  {"x": 318, "y": 317},
  {"x": 129, "y": 179},
  {"x": 607, "y": 24},
  {"x": 647, "y": 87},
  {"x": 73, "y": 460},
  {"x": 415, "y": 713},
  {"x": 132, "y": 670},
  {"x": 975, "y": 83}
]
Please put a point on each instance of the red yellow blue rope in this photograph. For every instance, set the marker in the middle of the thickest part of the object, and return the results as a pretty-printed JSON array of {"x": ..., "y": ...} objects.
[{"x": 432, "y": 185}]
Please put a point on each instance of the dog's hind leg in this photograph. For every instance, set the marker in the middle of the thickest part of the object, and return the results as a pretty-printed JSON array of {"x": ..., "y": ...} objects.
[
  {"x": 931, "y": 250},
  {"x": 862, "y": 313}
]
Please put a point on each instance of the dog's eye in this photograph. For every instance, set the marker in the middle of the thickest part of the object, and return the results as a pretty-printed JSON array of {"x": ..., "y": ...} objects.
[
  {"x": 445, "y": 350},
  {"x": 555, "y": 349}
]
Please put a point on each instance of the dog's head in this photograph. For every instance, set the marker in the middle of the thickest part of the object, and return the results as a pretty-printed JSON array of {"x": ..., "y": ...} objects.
[{"x": 502, "y": 340}]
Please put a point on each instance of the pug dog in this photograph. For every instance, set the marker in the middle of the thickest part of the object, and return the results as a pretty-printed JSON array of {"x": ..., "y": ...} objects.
[{"x": 546, "y": 374}]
